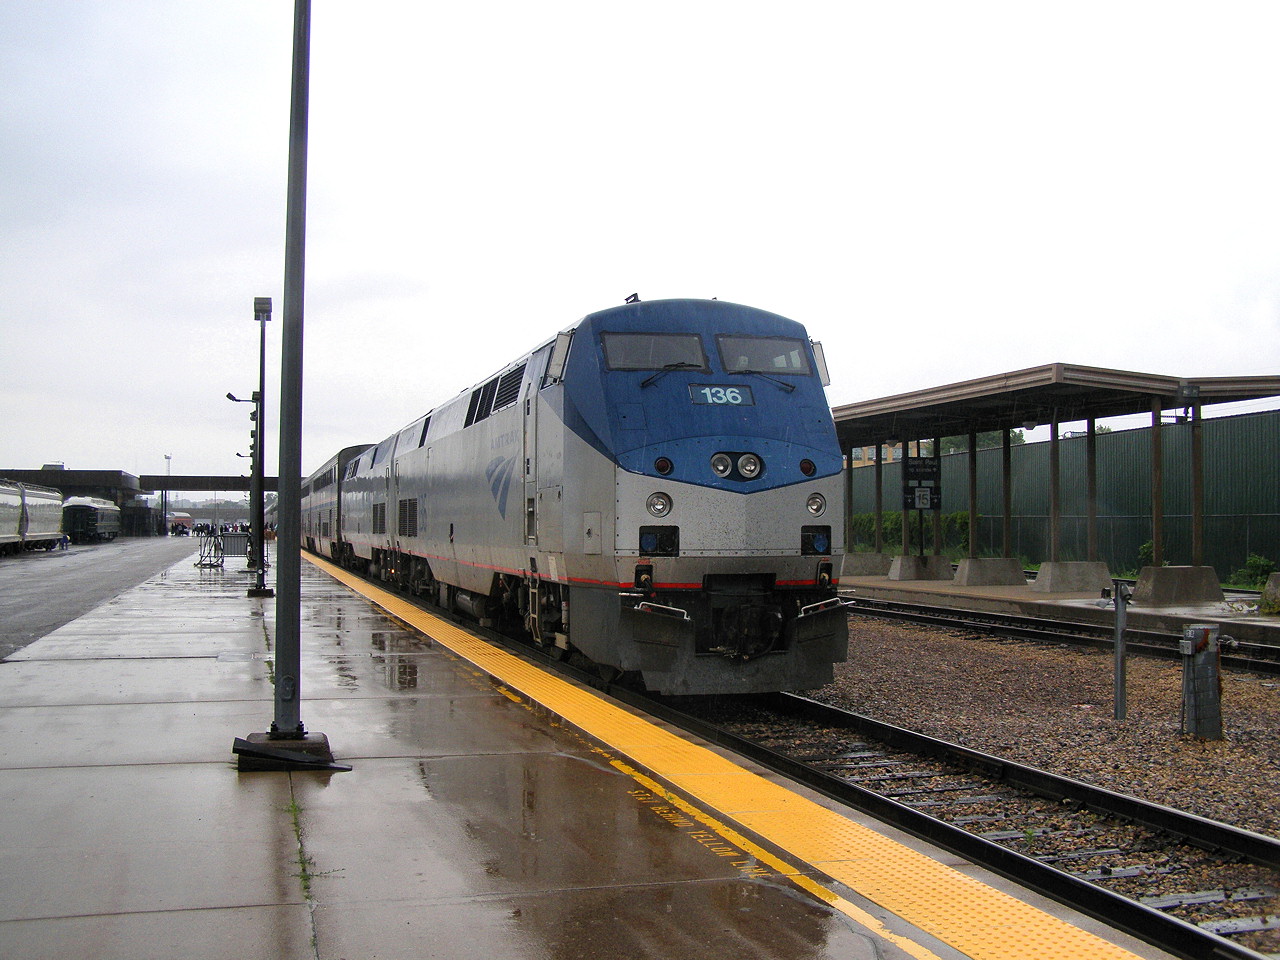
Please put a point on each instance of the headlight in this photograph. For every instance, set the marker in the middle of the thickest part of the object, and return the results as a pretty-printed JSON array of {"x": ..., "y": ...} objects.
[
  {"x": 816, "y": 504},
  {"x": 721, "y": 465},
  {"x": 658, "y": 504},
  {"x": 749, "y": 466}
]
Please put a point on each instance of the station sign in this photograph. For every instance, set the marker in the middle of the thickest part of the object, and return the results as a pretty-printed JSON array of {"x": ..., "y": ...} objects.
[{"x": 922, "y": 483}]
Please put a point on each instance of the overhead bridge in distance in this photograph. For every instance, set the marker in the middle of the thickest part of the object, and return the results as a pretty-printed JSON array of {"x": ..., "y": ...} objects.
[{"x": 156, "y": 482}]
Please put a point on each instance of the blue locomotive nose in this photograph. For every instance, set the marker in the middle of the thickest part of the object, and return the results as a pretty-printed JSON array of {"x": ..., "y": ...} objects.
[{"x": 708, "y": 393}]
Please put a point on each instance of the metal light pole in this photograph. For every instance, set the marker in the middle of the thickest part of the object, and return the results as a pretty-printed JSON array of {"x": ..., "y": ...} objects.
[
  {"x": 164, "y": 497},
  {"x": 258, "y": 555},
  {"x": 261, "y": 313},
  {"x": 288, "y": 720},
  {"x": 288, "y": 744}
]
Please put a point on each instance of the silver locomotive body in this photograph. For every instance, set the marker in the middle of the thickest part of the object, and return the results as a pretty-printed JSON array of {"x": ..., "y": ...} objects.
[{"x": 658, "y": 488}]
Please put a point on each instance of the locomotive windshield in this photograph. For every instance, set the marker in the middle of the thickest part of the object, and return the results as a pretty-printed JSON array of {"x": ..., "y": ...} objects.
[
  {"x": 762, "y": 354},
  {"x": 653, "y": 351}
]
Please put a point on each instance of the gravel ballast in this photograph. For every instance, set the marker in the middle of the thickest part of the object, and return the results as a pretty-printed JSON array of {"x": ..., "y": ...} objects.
[{"x": 1053, "y": 707}]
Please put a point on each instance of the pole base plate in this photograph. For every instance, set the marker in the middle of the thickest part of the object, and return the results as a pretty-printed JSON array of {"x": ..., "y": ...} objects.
[{"x": 259, "y": 751}]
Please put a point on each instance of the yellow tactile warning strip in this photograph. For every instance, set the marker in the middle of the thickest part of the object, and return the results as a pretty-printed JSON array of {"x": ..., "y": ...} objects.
[{"x": 979, "y": 921}]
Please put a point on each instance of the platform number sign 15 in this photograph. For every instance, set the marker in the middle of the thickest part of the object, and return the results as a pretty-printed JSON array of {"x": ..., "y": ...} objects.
[{"x": 922, "y": 484}]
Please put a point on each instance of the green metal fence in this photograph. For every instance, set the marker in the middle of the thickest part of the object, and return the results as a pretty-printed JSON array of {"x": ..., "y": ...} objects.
[{"x": 1242, "y": 494}]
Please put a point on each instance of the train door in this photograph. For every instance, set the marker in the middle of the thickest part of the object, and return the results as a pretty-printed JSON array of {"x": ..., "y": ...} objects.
[
  {"x": 543, "y": 493},
  {"x": 529, "y": 470},
  {"x": 388, "y": 523},
  {"x": 395, "y": 527}
]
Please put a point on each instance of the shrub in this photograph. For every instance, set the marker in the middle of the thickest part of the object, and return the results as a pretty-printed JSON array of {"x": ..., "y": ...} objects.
[
  {"x": 1253, "y": 574},
  {"x": 955, "y": 530}
]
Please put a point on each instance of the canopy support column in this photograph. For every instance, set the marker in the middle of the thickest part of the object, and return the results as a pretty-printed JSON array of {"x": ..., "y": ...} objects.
[
  {"x": 1157, "y": 485},
  {"x": 1091, "y": 468}
]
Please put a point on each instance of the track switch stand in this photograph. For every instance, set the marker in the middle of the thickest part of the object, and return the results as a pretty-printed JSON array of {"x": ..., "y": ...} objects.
[
  {"x": 1201, "y": 681},
  {"x": 1119, "y": 593}
]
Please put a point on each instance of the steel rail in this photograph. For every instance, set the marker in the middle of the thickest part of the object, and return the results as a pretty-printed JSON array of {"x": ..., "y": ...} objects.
[
  {"x": 1202, "y": 832},
  {"x": 1155, "y": 927}
]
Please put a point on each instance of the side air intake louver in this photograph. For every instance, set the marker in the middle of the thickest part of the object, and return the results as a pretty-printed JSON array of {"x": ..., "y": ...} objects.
[
  {"x": 481, "y": 402},
  {"x": 497, "y": 393},
  {"x": 509, "y": 388},
  {"x": 407, "y": 518}
]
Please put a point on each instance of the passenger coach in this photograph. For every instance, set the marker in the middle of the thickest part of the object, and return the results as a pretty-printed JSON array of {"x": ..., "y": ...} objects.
[
  {"x": 321, "y": 506},
  {"x": 90, "y": 519}
]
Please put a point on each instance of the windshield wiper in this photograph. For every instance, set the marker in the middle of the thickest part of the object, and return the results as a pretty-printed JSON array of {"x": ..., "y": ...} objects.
[
  {"x": 667, "y": 368},
  {"x": 760, "y": 373}
]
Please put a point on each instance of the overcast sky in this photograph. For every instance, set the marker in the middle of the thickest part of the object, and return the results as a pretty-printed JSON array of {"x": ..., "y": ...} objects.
[{"x": 938, "y": 191}]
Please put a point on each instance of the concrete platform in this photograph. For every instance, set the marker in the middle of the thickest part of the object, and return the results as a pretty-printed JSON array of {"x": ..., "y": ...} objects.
[
  {"x": 491, "y": 812},
  {"x": 1234, "y": 617}
]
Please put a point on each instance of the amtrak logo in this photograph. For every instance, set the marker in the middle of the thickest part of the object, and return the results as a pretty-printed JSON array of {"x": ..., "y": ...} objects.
[{"x": 499, "y": 473}]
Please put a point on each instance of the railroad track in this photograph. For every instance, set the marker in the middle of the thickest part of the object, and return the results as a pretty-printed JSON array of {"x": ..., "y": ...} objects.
[
  {"x": 1241, "y": 655},
  {"x": 1191, "y": 886}
]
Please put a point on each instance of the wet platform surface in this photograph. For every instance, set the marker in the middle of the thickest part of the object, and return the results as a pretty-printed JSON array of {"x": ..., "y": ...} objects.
[{"x": 477, "y": 821}]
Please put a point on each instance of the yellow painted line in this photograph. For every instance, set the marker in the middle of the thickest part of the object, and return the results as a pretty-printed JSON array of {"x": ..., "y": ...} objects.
[{"x": 979, "y": 921}]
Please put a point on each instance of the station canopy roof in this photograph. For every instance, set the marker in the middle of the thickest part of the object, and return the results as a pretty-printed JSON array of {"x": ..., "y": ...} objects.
[{"x": 1032, "y": 397}]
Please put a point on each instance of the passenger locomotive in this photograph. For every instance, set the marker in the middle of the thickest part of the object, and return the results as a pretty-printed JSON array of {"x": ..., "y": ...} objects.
[
  {"x": 30, "y": 517},
  {"x": 657, "y": 487}
]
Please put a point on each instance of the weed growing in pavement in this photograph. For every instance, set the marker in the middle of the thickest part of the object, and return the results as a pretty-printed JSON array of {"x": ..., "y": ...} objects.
[
  {"x": 305, "y": 863},
  {"x": 306, "y": 866}
]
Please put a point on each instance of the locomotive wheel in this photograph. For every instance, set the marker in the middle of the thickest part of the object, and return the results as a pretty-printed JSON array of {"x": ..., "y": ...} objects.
[{"x": 548, "y": 648}]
